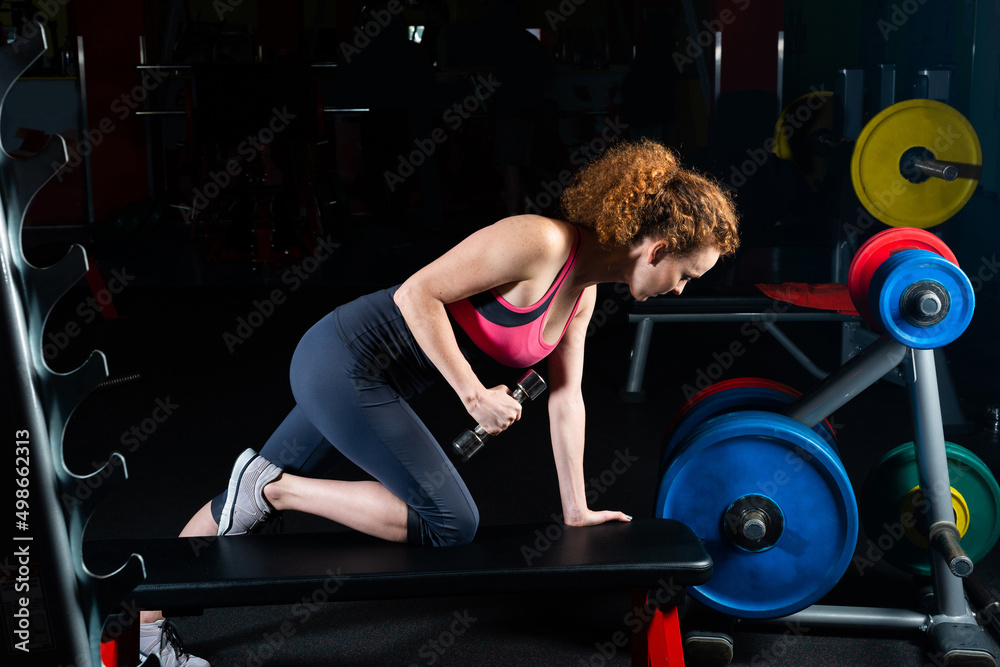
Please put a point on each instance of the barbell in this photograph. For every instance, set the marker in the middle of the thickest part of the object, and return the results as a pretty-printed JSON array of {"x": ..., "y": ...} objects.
[
  {"x": 906, "y": 282},
  {"x": 773, "y": 506},
  {"x": 914, "y": 164},
  {"x": 801, "y": 127},
  {"x": 769, "y": 496},
  {"x": 893, "y": 509},
  {"x": 737, "y": 471}
]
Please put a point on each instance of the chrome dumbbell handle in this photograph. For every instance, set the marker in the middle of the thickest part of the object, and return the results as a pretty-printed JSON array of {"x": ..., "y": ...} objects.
[{"x": 470, "y": 441}]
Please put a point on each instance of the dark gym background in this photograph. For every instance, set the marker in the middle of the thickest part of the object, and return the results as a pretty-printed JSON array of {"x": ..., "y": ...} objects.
[{"x": 239, "y": 168}]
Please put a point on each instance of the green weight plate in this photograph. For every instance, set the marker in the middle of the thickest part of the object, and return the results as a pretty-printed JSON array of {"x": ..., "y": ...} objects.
[{"x": 894, "y": 519}]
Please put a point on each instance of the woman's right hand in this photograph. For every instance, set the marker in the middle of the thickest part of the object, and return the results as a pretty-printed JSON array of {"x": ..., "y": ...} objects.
[{"x": 495, "y": 409}]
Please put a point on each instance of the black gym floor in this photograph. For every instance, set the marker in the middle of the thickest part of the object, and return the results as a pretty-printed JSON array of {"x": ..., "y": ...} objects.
[{"x": 226, "y": 393}]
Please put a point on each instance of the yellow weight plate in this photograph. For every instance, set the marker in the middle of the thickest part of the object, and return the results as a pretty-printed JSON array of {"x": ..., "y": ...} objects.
[
  {"x": 793, "y": 132},
  {"x": 875, "y": 163},
  {"x": 912, "y": 506}
]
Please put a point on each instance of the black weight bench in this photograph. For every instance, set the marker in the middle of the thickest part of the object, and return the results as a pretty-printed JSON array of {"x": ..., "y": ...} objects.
[{"x": 656, "y": 558}]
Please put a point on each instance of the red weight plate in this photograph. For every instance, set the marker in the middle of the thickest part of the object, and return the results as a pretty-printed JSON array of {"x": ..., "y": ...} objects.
[
  {"x": 877, "y": 249},
  {"x": 729, "y": 384}
]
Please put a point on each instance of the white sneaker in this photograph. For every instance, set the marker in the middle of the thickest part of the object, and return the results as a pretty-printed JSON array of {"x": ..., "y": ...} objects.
[
  {"x": 161, "y": 639},
  {"x": 245, "y": 509}
]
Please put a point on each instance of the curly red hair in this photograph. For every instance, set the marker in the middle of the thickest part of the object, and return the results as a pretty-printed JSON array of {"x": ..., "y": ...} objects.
[{"x": 639, "y": 190}]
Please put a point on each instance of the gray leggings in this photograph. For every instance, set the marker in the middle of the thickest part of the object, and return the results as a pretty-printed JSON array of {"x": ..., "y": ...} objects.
[{"x": 351, "y": 374}]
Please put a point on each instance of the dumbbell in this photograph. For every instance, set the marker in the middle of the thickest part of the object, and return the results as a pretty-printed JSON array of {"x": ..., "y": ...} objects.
[{"x": 470, "y": 441}]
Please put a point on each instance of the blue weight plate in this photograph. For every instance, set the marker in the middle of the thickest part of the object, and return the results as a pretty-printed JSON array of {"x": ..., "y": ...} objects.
[
  {"x": 768, "y": 454},
  {"x": 731, "y": 383},
  {"x": 731, "y": 400},
  {"x": 901, "y": 270}
]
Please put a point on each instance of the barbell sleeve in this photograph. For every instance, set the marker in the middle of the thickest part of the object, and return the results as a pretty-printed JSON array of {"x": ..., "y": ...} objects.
[
  {"x": 944, "y": 539},
  {"x": 936, "y": 169}
]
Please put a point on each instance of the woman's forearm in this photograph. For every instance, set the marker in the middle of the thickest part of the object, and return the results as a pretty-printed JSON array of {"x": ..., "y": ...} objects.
[{"x": 567, "y": 422}]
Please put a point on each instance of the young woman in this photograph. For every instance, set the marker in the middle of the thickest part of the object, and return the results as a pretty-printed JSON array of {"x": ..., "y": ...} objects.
[{"x": 519, "y": 291}]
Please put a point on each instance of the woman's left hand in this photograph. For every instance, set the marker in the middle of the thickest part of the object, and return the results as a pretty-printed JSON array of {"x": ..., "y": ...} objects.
[{"x": 592, "y": 518}]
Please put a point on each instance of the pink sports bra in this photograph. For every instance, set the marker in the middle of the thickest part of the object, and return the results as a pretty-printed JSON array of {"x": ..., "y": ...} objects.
[{"x": 507, "y": 333}]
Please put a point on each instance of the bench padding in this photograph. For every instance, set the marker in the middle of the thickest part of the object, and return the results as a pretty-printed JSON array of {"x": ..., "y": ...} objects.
[{"x": 283, "y": 569}]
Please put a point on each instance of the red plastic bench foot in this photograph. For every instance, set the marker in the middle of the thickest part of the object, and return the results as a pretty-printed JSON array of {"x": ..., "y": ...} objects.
[
  {"x": 121, "y": 650},
  {"x": 657, "y": 643}
]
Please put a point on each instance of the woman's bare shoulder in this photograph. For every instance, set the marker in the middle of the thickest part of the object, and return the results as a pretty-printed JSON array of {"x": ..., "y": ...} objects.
[{"x": 548, "y": 234}]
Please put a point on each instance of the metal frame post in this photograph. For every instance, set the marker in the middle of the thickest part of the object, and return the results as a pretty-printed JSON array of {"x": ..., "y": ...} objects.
[
  {"x": 855, "y": 376},
  {"x": 932, "y": 463},
  {"x": 637, "y": 362}
]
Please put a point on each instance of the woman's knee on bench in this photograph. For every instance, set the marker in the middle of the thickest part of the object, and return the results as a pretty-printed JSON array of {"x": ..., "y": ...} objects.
[{"x": 451, "y": 527}]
